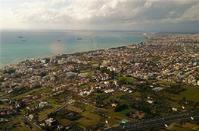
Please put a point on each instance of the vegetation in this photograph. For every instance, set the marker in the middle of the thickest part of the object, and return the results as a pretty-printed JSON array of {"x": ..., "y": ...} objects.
[
  {"x": 175, "y": 88},
  {"x": 125, "y": 80}
]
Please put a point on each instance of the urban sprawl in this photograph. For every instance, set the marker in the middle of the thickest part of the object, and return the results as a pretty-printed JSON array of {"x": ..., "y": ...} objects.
[{"x": 120, "y": 88}]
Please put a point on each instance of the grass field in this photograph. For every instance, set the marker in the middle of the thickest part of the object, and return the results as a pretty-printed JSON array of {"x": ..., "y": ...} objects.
[
  {"x": 44, "y": 114},
  {"x": 185, "y": 127},
  {"x": 190, "y": 94},
  {"x": 33, "y": 92},
  {"x": 89, "y": 119}
]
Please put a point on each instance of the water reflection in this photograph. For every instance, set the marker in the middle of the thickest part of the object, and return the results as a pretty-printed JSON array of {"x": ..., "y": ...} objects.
[{"x": 57, "y": 48}]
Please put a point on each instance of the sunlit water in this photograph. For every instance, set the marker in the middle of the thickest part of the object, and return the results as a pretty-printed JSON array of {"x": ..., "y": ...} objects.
[{"x": 20, "y": 45}]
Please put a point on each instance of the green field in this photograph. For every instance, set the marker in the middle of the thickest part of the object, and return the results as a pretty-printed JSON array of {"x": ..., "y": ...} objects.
[{"x": 191, "y": 94}]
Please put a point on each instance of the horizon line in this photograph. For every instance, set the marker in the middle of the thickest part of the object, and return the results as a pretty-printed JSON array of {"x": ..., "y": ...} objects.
[{"x": 136, "y": 31}]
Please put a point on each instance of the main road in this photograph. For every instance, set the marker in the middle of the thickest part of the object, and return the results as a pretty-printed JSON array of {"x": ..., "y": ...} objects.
[{"x": 157, "y": 122}]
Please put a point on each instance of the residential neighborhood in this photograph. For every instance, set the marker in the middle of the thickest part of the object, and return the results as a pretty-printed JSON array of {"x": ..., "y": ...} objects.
[{"x": 101, "y": 89}]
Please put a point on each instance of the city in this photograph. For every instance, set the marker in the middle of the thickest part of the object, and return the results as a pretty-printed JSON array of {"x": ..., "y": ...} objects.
[{"x": 106, "y": 89}]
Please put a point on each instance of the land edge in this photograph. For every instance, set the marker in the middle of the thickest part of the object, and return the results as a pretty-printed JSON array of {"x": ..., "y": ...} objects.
[{"x": 68, "y": 54}]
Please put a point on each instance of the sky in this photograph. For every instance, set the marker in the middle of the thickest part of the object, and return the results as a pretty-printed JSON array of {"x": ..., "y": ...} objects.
[{"x": 134, "y": 15}]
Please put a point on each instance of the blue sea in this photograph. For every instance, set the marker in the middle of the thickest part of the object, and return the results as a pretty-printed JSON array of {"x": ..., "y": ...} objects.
[{"x": 20, "y": 45}]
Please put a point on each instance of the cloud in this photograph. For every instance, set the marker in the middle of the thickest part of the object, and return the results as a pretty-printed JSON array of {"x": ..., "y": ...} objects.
[
  {"x": 105, "y": 14},
  {"x": 192, "y": 13}
]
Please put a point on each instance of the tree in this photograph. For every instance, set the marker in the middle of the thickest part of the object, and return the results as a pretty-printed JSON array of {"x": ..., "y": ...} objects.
[{"x": 121, "y": 107}]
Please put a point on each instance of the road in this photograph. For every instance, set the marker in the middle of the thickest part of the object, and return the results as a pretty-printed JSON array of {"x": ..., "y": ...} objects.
[{"x": 156, "y": 122}]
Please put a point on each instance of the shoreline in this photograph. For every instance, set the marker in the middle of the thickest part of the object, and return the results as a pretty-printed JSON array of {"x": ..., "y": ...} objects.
[
  {"x": 83, "y": 82},
  {"x": 147, "y": 37},
  {"x": 81, "y": 52},
  {"x": 69, "y": 44}
]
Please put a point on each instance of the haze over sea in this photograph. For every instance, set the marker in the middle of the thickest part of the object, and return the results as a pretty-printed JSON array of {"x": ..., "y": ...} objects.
[{"x": 20, "y": 45}]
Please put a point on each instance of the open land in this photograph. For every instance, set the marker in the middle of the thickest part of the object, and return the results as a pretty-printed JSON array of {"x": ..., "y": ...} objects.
[{"x": 128, "y": 87}]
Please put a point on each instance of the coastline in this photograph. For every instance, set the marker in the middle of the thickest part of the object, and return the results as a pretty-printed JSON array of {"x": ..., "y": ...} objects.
[
  {"x": 83, "y": 82},
  {"x": 21, "y": 45},
  {"x": 75, "y": 53}
]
